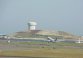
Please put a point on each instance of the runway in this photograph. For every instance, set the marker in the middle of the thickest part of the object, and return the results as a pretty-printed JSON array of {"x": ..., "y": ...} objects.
[{"x": 28, "y": 44}]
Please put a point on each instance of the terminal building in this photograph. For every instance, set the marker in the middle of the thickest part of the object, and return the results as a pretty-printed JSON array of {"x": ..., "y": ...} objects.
[{"x": 33, "y": 32}]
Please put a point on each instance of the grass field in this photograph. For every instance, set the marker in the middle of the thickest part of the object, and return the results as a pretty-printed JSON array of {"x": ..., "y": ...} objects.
[
  {"x": 52, "y": 53},
  {"x": 44, "y": 50}
]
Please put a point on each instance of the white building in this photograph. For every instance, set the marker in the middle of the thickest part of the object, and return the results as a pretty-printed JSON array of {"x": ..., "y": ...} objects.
[{"x": 32, "y": 25}]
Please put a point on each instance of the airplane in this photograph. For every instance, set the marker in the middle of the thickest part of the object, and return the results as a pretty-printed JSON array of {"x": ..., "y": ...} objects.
[{"x": 50, "y": 39}]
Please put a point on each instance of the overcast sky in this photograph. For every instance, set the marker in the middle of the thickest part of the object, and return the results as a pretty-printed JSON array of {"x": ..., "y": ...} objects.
[{"x": 63, "y": 15}]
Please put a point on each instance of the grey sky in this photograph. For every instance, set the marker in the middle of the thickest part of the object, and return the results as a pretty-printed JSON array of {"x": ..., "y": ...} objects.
[{"x": 64, "y": 15}]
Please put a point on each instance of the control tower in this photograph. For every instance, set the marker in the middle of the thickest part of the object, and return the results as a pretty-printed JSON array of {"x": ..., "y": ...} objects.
[{"x": 32, "y": 25}]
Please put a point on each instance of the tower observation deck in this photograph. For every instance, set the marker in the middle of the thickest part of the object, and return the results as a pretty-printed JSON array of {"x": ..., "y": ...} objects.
[{"x": 32, "y": 25}]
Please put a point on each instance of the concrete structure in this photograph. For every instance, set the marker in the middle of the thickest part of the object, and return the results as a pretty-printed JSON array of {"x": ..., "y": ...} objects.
[
  {"x": 32, "y": 25},
  {"x": 79, "y": 40}
]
